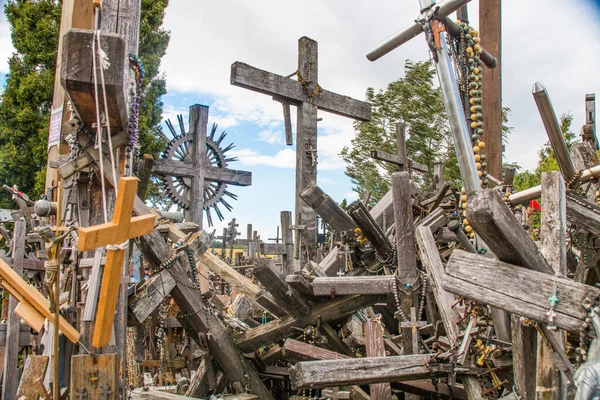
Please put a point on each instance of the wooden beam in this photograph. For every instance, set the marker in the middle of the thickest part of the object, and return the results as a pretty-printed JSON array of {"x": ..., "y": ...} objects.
[
  {"x": 582, "y": 213},
  {"x": 294, "y": 92},
  {"x": 327, "y": 208},
  {"x": 370, "y": 228},
  {"x": 524, "y": 292},
  {"x": 295, "y": 351},
  {"x": 490, "y": 31},
  {"x": 375, "y": 347},
  {"x": 502, "y": 232},
  {"x": 351, "y": 285},
  {"x": 524, "y": 346},
  {"x": 399, "y": 161},
  {"x": 323, "y": 312},
  {"x": 178, "y": 168},
  {"x": 363, "y": 371},
  {"x": 405, "y": 234}
]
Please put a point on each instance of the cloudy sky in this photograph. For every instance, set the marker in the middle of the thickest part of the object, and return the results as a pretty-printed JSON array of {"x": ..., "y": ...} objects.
[{"x": 554, "y": 42}]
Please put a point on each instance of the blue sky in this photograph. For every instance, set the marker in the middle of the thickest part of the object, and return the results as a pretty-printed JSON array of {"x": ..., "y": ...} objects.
[{"x": 551, "y": 41}]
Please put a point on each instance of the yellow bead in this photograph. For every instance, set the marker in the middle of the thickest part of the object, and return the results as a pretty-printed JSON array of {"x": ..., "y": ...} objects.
[
  {"x": 476, "y": 47},
  {"x": 476, "y": 78},
  {"x": 475, "y": 33},
  {"x": 469, "y": 49},
  {"x": 477, "y": 157},
  {"x": 476, "y": 71},
  {"x": 463, "y": 191},
  {"x": 479, "y": 173},
  {"x": 479, "y": 50},
  {"x": 478, "y": 165},
  {"x": 472, "y": 101},
  {"x": 473, "y": 109},
  {"x": 481, "y": 144},
  {"x": 474, "y": 117},
  {"x": 508, "y": 194},
  {"x": 475, "y": 149},
  {"x": 480, "y": 182},
  {"x": 472, "y": 235},
  {"x": 463, "y": 198},
  {"x": 468, "y": 229},
  {"x": 474, "y": 125},
  {"x": 465, "y": 222},
  {"x": 477, "y": 40},
  {"x": 463, "y": 206}
]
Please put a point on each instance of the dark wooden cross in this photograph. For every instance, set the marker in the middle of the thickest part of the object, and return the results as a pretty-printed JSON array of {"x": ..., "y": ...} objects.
[
  {"x": 195, "y": 166},
  {"x": 400, "y": 158},
  {"x": 308, "y": 96},
  {"x": 410, "y": 332}
]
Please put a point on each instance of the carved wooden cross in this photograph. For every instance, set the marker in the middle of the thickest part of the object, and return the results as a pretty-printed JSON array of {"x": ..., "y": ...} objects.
[
  {"x": 115, "y": 235},
  {"x": 195, "y": 166},
  {"x": 308, "y": 96}
]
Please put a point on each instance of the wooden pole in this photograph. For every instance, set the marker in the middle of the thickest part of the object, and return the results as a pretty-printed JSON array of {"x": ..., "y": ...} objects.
[{"x": 490, "y": 32}]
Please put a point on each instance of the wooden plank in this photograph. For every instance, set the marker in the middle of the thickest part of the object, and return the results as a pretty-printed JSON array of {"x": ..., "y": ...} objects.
[
  {"x": 524, "y": 340},
  {"x": 490, "y": 18},
  {"x": 199, "y": 386},
  {"x": 351, "y": 285},
  {"x": 295, "y": 351},
  {"x": 24, "y": 334},
  {"x": 583, "y": 213},
  {"x": 553, "y": 247},
  {"x": 10, "y": 380},
  {"x": 502, "y": 232},
  {"x": 261, "y": 81},
  {"x": 301, "y": 284},
  {"x": 369, "y": 227},
  {"x": 376, "y": 348},
  {"x": 399, "y": 161},
  {"x": 103, "y": 368},
  {"x": 287, "y": 238},
  {"x": 32, "y": 386},
  {"x": 323, "y": 312},
  {"x": 327, "y": 208},
  {"x": 403, "y": 219},
  {"x": 93, "y": 287},
  {"x": 287, "y": 297},
  {"x": 274, "y": 249},
  {"x": 363, "y": 371},
  {"x": 198, "y": 128},
  {"x": 523, "y": 292}
]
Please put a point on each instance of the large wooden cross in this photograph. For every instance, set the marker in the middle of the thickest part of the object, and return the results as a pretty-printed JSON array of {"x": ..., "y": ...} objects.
[
  {"x": 115, "y": 235},
  {"x": 195, "y": 166},
  {"x": 309, "y": 97}
]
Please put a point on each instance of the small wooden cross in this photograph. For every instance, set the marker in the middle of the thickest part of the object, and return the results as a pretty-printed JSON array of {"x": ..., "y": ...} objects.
[
  {"x": 115, "y": 235},
  {"x": 81, "y": 393},
  {"x": 277, "y": 239},
  {"x": 410, "y": 332},
  {"x": 105, "y": 391}
]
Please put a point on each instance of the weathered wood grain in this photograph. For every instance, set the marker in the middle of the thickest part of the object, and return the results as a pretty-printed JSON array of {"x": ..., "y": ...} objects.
[
  {"x": 369, "y": 227},
  {"x": 523, "y": 292},
  {"x": 351, "y": 285},
  {"x": 583, "y": 213},
  {"x": 501, "y": 231},
  {"x": 295, "y": 351},
  {"x": 375, "y": 347},
  {"x": 405, "y": 234},
  {"x": 31, "y": 386},
  {"x": 327, "y": 208},
  {"x": 363, "y": 371},
  {"x": 282, "y": 328},
  {"x": 524, "y": 340}
]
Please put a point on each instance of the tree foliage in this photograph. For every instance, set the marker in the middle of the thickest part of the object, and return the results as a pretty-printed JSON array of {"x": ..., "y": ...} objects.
[
  {"x": 26, "y": 102},
  {"x": 415, "y": 101},
  {"x": 547, "y": 160}
]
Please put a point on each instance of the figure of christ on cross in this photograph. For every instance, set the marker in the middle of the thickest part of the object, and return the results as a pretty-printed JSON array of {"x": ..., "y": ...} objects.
[
  {"x": 308, "y": 96},
  {"x": 115, "y": 235}
]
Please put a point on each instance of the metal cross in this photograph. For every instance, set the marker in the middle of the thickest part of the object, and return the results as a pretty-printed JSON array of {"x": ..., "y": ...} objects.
[
  {"x": 105, "y": 391},
  {"x": 81, "y": 393}
]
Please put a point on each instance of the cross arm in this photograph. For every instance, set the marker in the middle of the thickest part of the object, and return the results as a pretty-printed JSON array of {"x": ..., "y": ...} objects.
[
  {"x": 399, "y": 161},
  {"x": 265, "y": 82},
  {"x": 178, "y": 168},
  {"x": 102, "y": 235}
]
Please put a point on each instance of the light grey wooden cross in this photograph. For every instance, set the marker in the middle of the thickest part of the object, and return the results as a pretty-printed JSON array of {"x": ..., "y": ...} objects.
[
  {"x": 105, "y": 391},
  {"x": 195, "y": 167},
  {"x": 81, "y": 393},
  {"x": 306, "y": 94}
]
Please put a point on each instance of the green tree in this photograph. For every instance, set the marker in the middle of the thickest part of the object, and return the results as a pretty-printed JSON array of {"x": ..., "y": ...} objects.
[
  {"x": 415, "y": 101},
  {"x": 26, "y": 102},
  {"x": 547, "y": 160}
]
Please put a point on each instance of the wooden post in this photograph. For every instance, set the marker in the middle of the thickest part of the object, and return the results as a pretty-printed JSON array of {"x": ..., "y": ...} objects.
[
  {"x": 403, "y": 217},
  {"x": 198, "y": 126},
  {"x": 490, "y": 32},
  {"x": 11, "y": 352},
  {"x": 308, "y": 96},
  {"x": 287, "y": 237},
  {"x": 553, "y": 248},
  {"x": 376, "y": 348},
  {"x": 327, "y": 208}
]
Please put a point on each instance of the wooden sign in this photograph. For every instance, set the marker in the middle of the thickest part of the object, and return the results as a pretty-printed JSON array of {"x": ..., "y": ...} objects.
[
  {"x": 33, "y": 307},
  {"x": 95, "y": 377},
  {"x": 115, "y": 235}
]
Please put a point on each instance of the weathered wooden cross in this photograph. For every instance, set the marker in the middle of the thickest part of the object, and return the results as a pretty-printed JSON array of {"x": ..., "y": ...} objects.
[
  {"x": 115, "y": 235},
  {"x": 196, "y": 167},
  {"x": 308, "y": 96}
]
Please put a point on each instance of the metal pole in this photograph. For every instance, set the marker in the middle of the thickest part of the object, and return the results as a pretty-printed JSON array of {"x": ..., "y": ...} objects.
[
  {"x": 535, "y": 192},
  {"x": 456, "y": 118},
  {"x": 557, "y": 140},
  {"x": 454, "y": 226},
  {"x": 402, "y": 36}
]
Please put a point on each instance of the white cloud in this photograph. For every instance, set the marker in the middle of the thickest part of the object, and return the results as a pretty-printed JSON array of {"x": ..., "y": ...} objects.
[
  {"x": 285, "y": 158},
  {"x": 351, "y": 196},
  {"x": 270, "y": 136}
]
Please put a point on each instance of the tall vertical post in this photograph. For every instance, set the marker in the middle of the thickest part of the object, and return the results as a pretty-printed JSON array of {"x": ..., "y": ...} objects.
[
  {"x": 306, "y": 147},
  {"x": 490, "y": 32},
  {"x": 198, "y": 126}
]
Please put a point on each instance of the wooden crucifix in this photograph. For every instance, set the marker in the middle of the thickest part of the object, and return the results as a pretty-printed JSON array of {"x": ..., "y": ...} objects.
[
  {"x": 115, "y": 235},
  {"x": 400, "y": 158},
  {"x": 196, "y": 167},
  {"x": 308, "y": 96}
]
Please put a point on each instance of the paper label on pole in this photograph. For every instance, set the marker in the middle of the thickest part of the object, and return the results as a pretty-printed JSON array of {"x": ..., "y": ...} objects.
[{"x": 55, "y": 127}]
